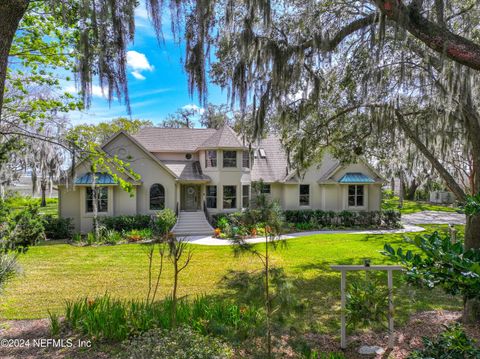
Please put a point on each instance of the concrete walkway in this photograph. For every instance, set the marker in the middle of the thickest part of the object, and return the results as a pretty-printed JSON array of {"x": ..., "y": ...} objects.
[
  {"x": 211, "y": 241},
  {"x": 410, "y": 225},
  {"x": 433, "y": 217}
]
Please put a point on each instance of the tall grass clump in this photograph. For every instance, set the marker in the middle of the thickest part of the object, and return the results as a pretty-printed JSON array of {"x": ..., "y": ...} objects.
[{"x": 109, "y": 319}]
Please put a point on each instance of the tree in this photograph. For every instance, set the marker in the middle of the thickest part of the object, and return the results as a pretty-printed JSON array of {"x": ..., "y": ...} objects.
[
  {"x": 216, "y": 116},
  {"x": 392, "y": 82},
  {"x": 269, "y": 215},
  {"x": 100, "y": 132},
  {"x": 182, "y": 118}
]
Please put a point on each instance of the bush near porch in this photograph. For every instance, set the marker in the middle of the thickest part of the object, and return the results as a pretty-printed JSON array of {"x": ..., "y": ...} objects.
[{"x": 304, "y": 220}]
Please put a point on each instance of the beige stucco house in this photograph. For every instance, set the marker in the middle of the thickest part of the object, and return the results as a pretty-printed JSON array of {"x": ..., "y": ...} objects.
[{"x": 198, "y": 171}]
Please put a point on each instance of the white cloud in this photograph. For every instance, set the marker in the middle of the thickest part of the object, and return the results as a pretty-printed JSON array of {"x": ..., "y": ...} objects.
[
  {"x": 96, "y": 90},
  {"x": 194, "y": 107},
  {"x": 138, "y": 75},
  {"x": 138, "y": 62}
]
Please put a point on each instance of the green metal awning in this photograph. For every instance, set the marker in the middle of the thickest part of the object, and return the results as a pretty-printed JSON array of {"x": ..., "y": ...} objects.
[
  {"x": 355, "y": 177},
  {"x": 100, "y": 179}
]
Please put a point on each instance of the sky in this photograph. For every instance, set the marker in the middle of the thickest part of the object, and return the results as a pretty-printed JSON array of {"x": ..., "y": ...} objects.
[{"x": 157, "y": 81}]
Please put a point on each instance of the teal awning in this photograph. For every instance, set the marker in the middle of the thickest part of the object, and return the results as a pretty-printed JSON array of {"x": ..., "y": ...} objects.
[
  {"x": 355, "y": 177},
  {"x": 100, "y": 179}
]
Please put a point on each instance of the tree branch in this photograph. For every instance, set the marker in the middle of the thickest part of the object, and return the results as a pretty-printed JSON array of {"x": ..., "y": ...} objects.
[
  {"x": 437, "y": 37},
  {"x": 447, "y": 177}
]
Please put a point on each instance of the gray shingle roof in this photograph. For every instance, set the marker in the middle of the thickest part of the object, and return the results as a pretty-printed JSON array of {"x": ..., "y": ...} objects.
[
  {"x": 224, "y": 137},
  {"x": 187, "y": 170},
  {"x": 273, "y": 167},
  {"x": 157, "y": 139}
]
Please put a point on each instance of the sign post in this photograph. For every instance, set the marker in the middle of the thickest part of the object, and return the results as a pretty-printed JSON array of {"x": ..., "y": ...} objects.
[{"x": 343, "y": 284}]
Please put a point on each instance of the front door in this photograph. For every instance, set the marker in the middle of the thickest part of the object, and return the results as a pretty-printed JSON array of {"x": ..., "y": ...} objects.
[{"x": 190, "y": 194}]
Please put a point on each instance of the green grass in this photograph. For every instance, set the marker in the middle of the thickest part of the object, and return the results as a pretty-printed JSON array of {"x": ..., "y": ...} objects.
[
  {"x": 414, "y": 206},
  {"x": 20, "y": 202},
  {"x": 54, "y": 273}
]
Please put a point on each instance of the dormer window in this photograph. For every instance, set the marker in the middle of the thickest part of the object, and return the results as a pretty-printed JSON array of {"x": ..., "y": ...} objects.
[
  {"x": 230, "y": 159},
  {"x": 211, "y": 158}
]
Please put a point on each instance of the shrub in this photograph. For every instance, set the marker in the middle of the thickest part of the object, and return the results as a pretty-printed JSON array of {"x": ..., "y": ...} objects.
[
  {"x": 22, "y": 229},
  {"x": 57, "y": 228},
  {"x": 391, "y": 218},
  {"x": 109, "y": 236},
  {"x": 180, "y": 343},
  {"x": 314, "y": 219},
  {"x": 164, "y": 221},
  {"x": 106, "y": 318},
  {"x": 125, "y": 223},
  {"x": 54, "y": 323},
  {"x": 440, "y": 263},
  {"x": 8, "y": 267},
  {"x": 453, "y": 343},
  {"x": 136, "y": 235},
  {"x": 367, "y": 303}
]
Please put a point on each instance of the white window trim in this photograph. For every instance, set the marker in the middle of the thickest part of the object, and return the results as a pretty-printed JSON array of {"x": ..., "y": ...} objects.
[
  {"x": 365, "y": 196},
  {"x": 309, "y": 196},
  {"x": 236, "y": 197}
]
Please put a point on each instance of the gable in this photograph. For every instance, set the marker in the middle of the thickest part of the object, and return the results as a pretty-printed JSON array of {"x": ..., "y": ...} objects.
[{"x": 126, "y": 148}]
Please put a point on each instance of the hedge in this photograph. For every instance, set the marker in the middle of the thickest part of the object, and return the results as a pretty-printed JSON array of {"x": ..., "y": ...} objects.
[
  {"x": 126, "y": 223},
  {"x": 331, "y": 219}
]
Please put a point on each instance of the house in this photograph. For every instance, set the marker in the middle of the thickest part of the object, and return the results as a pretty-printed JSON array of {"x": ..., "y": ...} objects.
[{"x": 205, "y": 171}]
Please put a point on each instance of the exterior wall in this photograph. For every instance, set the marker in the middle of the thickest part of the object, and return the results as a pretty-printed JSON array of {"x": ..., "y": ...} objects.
[
  {"x": 221, "y": 176},
  {"x": 331, "y": 197},
  {"x": 124, "y": 203},
  {"x": 176, "y": 156},
  {"x": 150, "y": 171},
  {"x": 69, "y": 205},
  {"x": 375, "y": 197}
]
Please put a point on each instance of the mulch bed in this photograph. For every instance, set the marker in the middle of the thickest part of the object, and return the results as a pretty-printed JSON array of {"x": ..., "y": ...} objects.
[{"x": 408, "y": 338}]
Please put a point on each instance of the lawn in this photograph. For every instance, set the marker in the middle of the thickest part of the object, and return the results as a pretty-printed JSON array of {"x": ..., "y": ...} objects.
[
  {"x": 54, "y": 273},
  {"x": 20, "y": 202},
  {"x": 414, "y": 206}
]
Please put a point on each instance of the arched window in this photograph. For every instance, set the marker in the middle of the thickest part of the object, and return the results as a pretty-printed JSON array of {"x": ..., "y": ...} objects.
[{"x": 157, "y": 197}]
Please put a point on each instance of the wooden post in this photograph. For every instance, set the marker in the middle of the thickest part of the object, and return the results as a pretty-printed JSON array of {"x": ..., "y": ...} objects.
[
  {"x": 391, "y": 337},
  {"x": 343, "y": 332}
]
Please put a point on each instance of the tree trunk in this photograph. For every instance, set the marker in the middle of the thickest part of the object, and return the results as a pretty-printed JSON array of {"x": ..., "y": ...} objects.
[
  {"x": 411, "y": 190},
  {"x": 11, "y": 12},
  {"x": 471, "y": 309},
  {"x": 392, "y": 185},
  {"x": 43, "y": 189},
  {"x": 401, "y": 193}
]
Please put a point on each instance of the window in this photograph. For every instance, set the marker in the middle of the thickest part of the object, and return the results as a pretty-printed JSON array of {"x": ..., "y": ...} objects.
[
  {"x": 157, "y": 197},
  {"x": 355, "y": 195},
  {"x": 262, "y": 153},
  {"x": 304, "y": 195},
  {"x": 266, "y": 189},
  {"x": 101, "y": 198},
  {"x": 211, "y": 196},
  {"x": 246, "y": 159},
  {"x": 211, "y": 159},
  {"x": 229, "y": 197},
  {"x": 245, "y": 196},
  {"x": 229, "y": 159}
]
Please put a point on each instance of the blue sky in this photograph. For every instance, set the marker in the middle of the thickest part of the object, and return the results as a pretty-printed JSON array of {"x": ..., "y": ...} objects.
[{"x": 157, "y": 81}]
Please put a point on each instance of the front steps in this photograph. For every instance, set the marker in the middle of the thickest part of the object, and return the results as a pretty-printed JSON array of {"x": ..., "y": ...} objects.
[{"x": 192, "y": 224}]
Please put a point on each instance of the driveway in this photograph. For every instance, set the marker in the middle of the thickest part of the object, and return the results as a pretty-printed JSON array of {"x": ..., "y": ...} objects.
[{"x": 433, "y": 217}]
